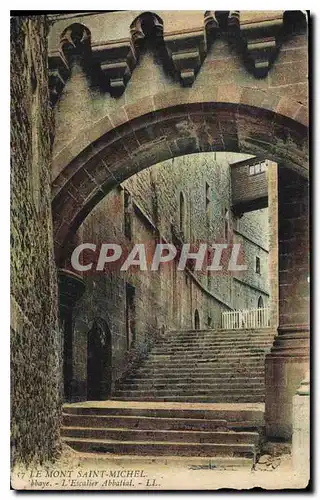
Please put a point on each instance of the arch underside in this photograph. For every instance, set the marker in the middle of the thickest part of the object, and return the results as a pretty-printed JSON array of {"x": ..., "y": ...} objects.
[{"x": 142, "y": 141}]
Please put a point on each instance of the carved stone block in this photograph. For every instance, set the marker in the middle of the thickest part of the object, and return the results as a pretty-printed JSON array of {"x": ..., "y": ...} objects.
[
  {"x": 260, "y": 32},
  {"x": 187, "y": 52},
  {"x": 117, "y": 62}
]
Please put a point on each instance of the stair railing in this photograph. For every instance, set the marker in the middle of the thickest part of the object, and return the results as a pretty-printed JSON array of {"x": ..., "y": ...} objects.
[{"x": 246, "y": 319}]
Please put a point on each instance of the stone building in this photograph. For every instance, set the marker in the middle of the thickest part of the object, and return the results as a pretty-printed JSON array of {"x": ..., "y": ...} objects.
[
  {"x": 187, "y": 198},
  {"x": 126, "y": 127}
]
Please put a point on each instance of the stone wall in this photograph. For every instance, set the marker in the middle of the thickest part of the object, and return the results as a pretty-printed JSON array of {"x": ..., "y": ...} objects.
[
  {"x": 35, "y": 344},
  {"x": 167, "y": 299}
]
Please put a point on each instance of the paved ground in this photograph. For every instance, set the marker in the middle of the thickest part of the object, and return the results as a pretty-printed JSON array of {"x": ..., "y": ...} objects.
[{"x": 79, "y": 471}]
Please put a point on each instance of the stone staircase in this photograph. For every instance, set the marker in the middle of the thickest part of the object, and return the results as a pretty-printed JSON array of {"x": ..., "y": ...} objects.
[
  {"x": 225, "y": 436},
  {"x": 202, "y": 366},
  {"x": 198, "y": 397}
]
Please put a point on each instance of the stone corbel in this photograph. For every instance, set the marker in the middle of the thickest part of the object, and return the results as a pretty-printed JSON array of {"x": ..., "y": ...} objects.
[
  {"x": 187, "y": 52},
  {"x": 211, "y": 24},
  {"x": 59, "y": 72},
  {"x": 233, "y": 22},
  {"x": 260, "y": 32},
  {"x": 117, "y": 62}
]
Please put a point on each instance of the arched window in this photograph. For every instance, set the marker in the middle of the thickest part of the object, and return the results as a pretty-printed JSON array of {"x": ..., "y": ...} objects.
[
  {"x": 196, "y": 320},
  {"x": 260, "y": 302}
]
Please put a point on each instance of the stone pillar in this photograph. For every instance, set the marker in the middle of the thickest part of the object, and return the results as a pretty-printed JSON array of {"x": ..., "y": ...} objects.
[
  {"x": 301, "y": 430},
  {"x": 288, "y": 360},
  {"x": 71, "y": 288},
  {"x": 272, "y": 174}
]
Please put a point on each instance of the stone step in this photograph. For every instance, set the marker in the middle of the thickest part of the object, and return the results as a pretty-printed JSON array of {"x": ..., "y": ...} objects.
[
  {"x": 221, "y": 347},
  {"x": 235, "y": 337},
  {"x": 203, "y": 463},
  {"x": 191, "y": 381},
  {"x": 224, "y": 357},
  {"x": 148, "y": 384},
  {"x": 143, "y": 422},
  {"x": 227, "y": 398},
  {"x": 198, "y": 364},
  {"x": 223, "y": 360},
  {"x": 210, "y": 370},
  {"x": 231, "y": 413},
  {"x": 160, "y": 448},
  {"x": 232, "y": 334},
  {"x": 222, "y": 330},
  {"x": 210, "y": 347},
  {"x": 187, "y": 391},
  {"x": 209, "y": 339},
  {"x": 262, "y": 351},
  {"x": 221, "y": 353},
  {"x": 220, "y": 334},
  {"x": 120, "y": 434},
  {"x": 223, "y": 371},
  {"x": 215, "y": 342},
  {"x": 203, "y": 363}
]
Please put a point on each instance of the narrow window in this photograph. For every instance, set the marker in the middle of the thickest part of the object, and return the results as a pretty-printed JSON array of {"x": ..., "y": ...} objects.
[
  {"x": 258, "y": 270},
  {"x": 130, "y": 314},
  {"x": 182, "y": 214},
  {"x": 208, "y": 196},
  {"x": 226, "y": 224},
  {"x": 209, "y": 321},
  {"x": 127, "y": 215},
  {"x": 196, "y": 320}
]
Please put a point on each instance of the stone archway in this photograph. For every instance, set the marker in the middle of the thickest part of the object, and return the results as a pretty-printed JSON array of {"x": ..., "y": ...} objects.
[
  {"x": 99, "y": 361},
  {"x": 227, "y": 118}
]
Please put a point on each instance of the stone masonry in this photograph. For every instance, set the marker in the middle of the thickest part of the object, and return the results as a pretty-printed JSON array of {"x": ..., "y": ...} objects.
[{"x": 35, "y": 337}]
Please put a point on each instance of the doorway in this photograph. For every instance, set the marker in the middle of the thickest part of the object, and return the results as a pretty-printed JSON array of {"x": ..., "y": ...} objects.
[
  {"x": 130, "y": 314},
  {"x": 99, "y": 361}
]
